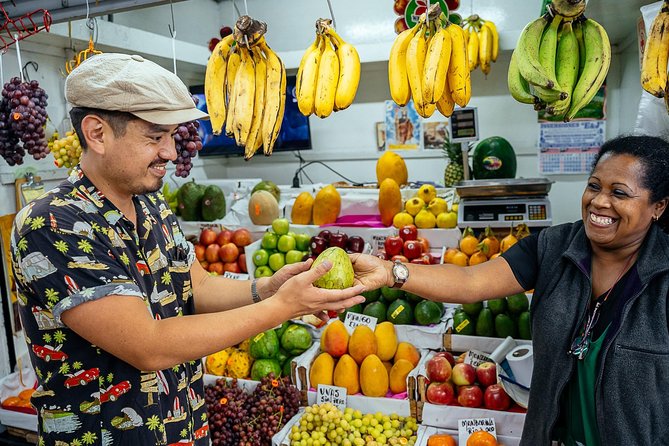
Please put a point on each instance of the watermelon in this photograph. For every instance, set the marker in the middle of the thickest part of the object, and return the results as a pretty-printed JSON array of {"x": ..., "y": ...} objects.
[{"x": 494, "y": 158}]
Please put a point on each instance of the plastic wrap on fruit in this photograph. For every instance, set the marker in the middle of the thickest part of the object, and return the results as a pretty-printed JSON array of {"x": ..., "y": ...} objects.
[{"x": 341, "y": 274}]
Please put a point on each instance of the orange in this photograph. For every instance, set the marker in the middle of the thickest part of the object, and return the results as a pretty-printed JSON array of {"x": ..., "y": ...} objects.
[
  {"x": 481, "y": 438},
  {"x": 441, "y": 440},
  {"x": 477, "y": 257},
  {"x": 12, "y": 401},
  {"x": 26, "y": 394},
  {"x": 460, "y": 259}
]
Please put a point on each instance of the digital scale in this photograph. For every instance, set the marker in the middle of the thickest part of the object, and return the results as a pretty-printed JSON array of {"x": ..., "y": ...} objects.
[{"x": 504, "y": 203}]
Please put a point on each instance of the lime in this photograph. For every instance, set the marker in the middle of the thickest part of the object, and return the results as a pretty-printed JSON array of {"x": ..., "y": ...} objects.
[
  {"x": 400, "y": 312},
  {"x": 428, "y": 312},
  {"x": 376, "y": 309},
  {"x": 392, "y": 293}
]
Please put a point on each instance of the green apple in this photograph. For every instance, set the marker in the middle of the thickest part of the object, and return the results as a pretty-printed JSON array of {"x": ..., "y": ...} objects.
[
  {"x": 263, "y": 271},
  {"x": 269, "y": 240},
  {"x": 294, "y": 256},
  {"x": 260, "y": 257},
  {"x": 281, "y": 226},
  {"x": 302, "y": 242},
  {"x": 277, "y": 261},
  {"x": 286, "y": 243}
]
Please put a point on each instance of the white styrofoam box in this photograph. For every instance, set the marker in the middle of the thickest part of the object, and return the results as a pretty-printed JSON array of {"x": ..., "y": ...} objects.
[
  {"x": 247, "y": 384},
  {"x": 463, "y": 343},
  {"x": 508, "y": 424},
  {"x": 367, "y": 404},
  {"x": 11, "y": 385},
  {"x": 422, "y": 337},
  {"x": 424, "y": 433}
]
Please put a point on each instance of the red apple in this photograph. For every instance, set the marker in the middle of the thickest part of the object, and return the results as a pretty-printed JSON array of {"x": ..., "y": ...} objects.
[
  {"x": 464, "y": 374},
  {"x": 424, "y": 244},
  {"x": 496, "y": 398},
  {"x": 486, "y": 374},
  {"x": 204, "y": 265},
  {"x": 438, "y": 369},
  {"x": 400, "y": 6},
  {"x": 216, "y": 267},
  {"x": 452, "y": 4},
  {"x": 213, "y": 42},
  {"x": 233, "y": 267},
  {"x": 408, "y": 232},
  {"x": 228, "y": 253},
  {"x": 449, "y": 356},
  {"x": 356, "y": 243},
  {"x": 440, "y": 393},
  {"x": 423, "y": 259},
  {"x": 325, "y": 234},
  {"x": 224, "y": 237},
  {"x": 393, "y": 245},
  {"x": 199, "y": 252},
  {"x": 470, "y": 396},
  {"x": 318, "y": 244},
  {"x": 401, "y": 258},
  {"x": 207, "y": 237},
  {"x": 225, "y": 31},
  {"x": 338, "y": 239},
  {"x": 211, "y": 253},
  {"x": 400, "y": 25},
  {"x": 241, "y": 261},
  {"x": 411, "y": 249},
  {"x": 242, "y": 237}
]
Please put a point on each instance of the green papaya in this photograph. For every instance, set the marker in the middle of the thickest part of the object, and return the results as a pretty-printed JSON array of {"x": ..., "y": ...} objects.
[
  {"x": 189, "y": 199},
  {"x": 264, "y": 345},
  {"x": 213, "y": 203},
  {"x": 524, "y": 331},
  {"x": 462, "y": 324},
  {"x": 504, "y": 326},
  {"x": 485, "y": 325}
]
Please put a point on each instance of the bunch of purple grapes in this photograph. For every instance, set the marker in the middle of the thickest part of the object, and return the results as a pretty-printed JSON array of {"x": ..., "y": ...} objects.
[
  {"x": 273, "y": 403},
  {"x": 188, "y": 143},
  {"x": 22, "y": 119},
  {"x": 227, "y": 411}
]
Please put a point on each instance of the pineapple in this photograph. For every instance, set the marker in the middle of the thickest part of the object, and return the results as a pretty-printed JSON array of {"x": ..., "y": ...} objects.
[{"x": 454, "y": 171}]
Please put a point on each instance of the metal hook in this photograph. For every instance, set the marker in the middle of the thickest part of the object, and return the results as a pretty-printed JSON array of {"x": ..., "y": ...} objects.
[
  {"x": 35, "y": 67},
  {"x": 236, "y": 10},
  {"x": 173, "y": 28},
  {"x": 246, "y": 7},
  {"x": 334, "y": 22}
]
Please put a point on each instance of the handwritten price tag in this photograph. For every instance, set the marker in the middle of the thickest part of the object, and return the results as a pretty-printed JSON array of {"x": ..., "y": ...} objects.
[
  {"x": 476, "y": 358},
  {"x": 331, "y": 394},
  {"x": 352, "y": 320},
  {"x": 468, "y": 426},
  {"x": 235, "y": 276}
]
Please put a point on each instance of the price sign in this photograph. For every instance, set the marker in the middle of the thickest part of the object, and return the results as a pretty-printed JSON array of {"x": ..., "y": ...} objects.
[
  {"x": 235, "y": 276},
  {"x": 476, "y": 358},
  {"x": 331, "y": 394},
  {"x": 464, "y": 125},
  {"x": 352, "y": 320},
  {"x": 468, "y": 426}
]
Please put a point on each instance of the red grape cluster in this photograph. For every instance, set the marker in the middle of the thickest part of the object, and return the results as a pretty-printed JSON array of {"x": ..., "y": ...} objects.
[
  {"x": 22, "y": 120},
  {"x": 188, "y": 143},
  {"x": 240, "y": 419}
]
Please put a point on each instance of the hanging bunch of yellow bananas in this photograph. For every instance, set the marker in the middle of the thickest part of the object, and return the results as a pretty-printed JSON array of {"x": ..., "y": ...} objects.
[
  {"x": 245, "y": 88},
  {"x": 482, "y": 43},
  {"x": 656, "y": 55},
  {"x": 560, "y": 61},
  {"x": 329, "y": 73},
  {"x": 429, "y": 64}
]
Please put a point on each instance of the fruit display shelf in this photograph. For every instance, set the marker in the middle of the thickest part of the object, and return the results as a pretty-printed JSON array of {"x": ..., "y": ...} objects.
[
  {"x": 14, "y": 418},
  {"x": 425, "y": 432}
]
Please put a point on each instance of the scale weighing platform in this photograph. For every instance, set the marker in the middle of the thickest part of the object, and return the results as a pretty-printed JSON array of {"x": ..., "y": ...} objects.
[{"x": 502, "y": 203}]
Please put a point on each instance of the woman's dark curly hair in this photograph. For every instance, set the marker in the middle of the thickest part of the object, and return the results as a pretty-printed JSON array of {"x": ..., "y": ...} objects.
[{"x": 653, "y": 152}]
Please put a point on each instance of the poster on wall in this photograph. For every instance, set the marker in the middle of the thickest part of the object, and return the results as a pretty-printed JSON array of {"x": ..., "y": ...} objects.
[
  {"x": 403, "y": 127},
  {"x": 435, "y": 135},
  {"x": 571, "y": 147}
]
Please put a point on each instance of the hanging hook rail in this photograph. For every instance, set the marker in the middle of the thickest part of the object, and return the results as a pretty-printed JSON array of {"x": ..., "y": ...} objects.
[
  {"x": 13, "y": 30},
  {"x": 332, "y": 16}
]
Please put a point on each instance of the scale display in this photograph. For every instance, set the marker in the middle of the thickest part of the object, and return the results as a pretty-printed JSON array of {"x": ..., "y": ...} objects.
[
  {"x": 464, "y": 125},
  {"x": 534, "y": 212}
]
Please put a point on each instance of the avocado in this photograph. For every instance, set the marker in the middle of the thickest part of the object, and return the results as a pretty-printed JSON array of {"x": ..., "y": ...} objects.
[
  {"x": 400, "y": 312},
  {"x": 428, "y": 312},
  {"x": 357, "y": 308},
  {"x": 518, "y": 303},
  {"x": 485, "y": 325},
  {"x": 524, "y": 331},
  {"x": 376, "y": 309},
  {"x": 462, "y": 324},
  {"x": 391, "y": 294},
  {"x": 413, "y": 298},
  {"x": 189, "y": 198},
  {"x": 504, "y": 326},
  {"x": 473, "y": 309},
  {"x": 371, "y": 295},
  {"x": 497, "y": 306},
  {"x": 213, "y": 203}
]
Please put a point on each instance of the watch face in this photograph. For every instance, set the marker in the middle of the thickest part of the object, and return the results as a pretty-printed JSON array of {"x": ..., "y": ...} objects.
[{"x": 401, "y": 272}]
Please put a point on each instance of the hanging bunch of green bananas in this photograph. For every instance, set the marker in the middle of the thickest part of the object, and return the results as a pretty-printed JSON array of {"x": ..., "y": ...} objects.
[
  {"x": 656, "y": 55},
  {"x": 329, "y": 73},
  {"x": 560, "y": 61},
  {"x": 245, "y": 88},
  {"x": 482, "y": 43},
  {"x": 170, "y": 197},
  {"x": 429, "y": 64}
]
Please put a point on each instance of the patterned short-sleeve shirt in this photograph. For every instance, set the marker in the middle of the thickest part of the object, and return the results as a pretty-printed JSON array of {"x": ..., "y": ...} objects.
[{"x": 71, "y": 246}]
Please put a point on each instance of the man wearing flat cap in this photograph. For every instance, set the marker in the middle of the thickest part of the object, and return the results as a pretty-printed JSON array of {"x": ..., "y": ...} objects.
[{"x": 117, "y": 312}]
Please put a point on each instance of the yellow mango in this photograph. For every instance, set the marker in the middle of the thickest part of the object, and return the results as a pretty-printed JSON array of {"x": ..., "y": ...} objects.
[
  {"x": 386, "y": 340},
  {"x": 398, "y": 375},
  {"x": 334, "y": 339},
  {"x": 322, "y": 370},
  {"x": 390, "y": 201},
  {"x": 346, "y": 375},
  {"x": 362, "y": 343},
  {"x": 302, "y": 208},
  {"x": 407, "y": 351},
  {"x": 373, "y": 377}
]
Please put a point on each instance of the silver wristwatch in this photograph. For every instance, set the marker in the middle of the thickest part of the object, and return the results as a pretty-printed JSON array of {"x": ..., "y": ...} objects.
[{"x": 400, "y": 274}]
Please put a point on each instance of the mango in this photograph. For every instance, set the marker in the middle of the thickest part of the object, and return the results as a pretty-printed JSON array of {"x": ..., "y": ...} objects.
[
  {"x": 386, "y": 340},
  {"x": 346, "y": 375},
  {"x": 322, "y": 370},
  {"x": 390, "y": 200},
  {"x": 398, "y": 375},
  {"x": 335, "y": 339},
  {"x": 362, "y": 343},
  {"x": 391, "y": 165},
  {"x": 373, "y": 377},
  {"x": 407, "y": 351},
  {"x": 388, "y": 365},
  {"x": 327, "y": 205},
  {"x": 302, "y": 209}
]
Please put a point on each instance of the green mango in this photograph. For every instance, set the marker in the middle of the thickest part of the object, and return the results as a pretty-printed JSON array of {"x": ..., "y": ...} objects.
[{"x": 213, "y": 203}]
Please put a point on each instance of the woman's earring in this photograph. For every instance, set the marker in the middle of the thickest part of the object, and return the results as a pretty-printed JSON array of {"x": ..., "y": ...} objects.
[{"x": 655, "y": 218}]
